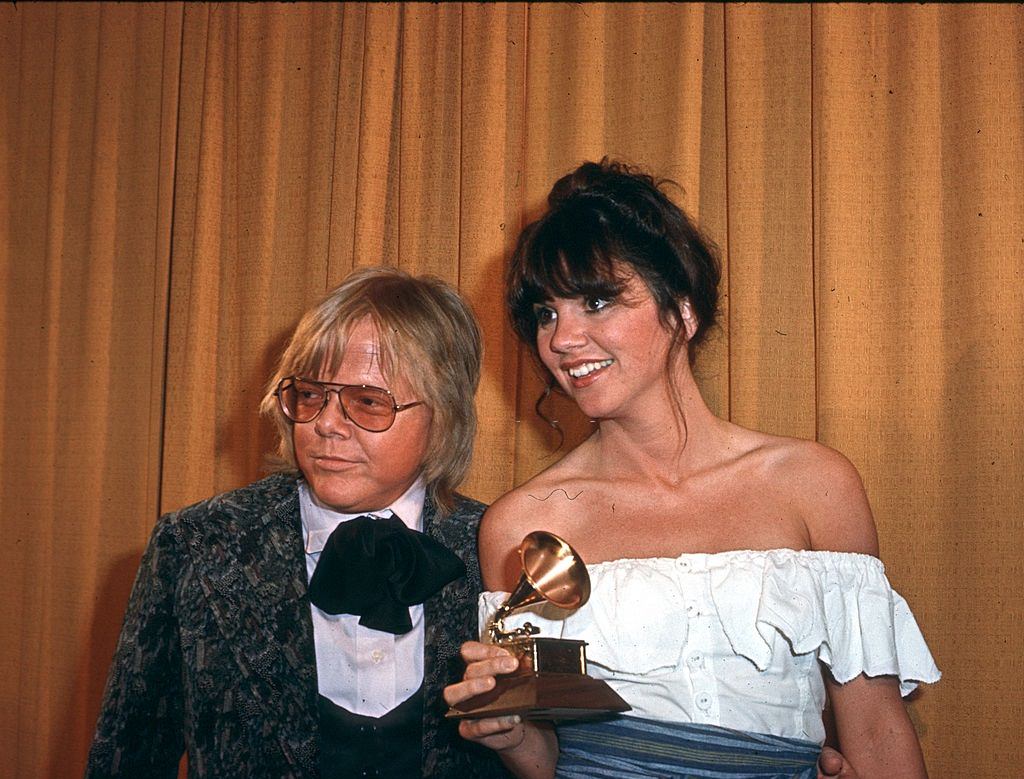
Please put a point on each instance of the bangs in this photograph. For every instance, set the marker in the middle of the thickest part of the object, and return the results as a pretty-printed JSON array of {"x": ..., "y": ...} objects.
[
  {"x": 569, "y": 258},
  {"x": 326, "y": 348},
  {"x": 322, "y": 355}
]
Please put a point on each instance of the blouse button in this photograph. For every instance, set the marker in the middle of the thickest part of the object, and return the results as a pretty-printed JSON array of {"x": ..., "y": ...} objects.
[
  {"x": 703, "y": 701},
  {"x": 376, "y": 655}
]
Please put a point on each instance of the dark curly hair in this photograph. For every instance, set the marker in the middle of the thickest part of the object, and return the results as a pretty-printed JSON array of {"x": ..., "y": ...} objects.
[{"x": 606, "y": 221}]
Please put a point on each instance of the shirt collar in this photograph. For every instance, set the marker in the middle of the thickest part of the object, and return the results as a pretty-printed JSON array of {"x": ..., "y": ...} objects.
[{"x": 319, "y": 520}]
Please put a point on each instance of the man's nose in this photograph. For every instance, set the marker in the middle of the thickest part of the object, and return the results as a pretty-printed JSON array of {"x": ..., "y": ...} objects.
[{"x": 333, "y": 420}]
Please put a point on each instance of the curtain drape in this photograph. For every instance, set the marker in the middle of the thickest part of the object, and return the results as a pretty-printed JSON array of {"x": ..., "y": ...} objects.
[{"x": 178, "y": 182}]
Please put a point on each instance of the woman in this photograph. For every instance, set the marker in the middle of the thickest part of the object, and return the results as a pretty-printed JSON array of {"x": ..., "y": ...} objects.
[
  {"x": 735, "y": 573},
  {"x": 304, "y": 625}
]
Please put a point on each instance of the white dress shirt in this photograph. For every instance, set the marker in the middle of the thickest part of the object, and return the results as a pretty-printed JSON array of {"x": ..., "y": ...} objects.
[
  {"x": 365, "y": 671},
  {"x": 736, "y": 639}
]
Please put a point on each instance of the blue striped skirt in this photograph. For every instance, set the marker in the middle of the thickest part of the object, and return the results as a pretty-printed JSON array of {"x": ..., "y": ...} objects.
[{"x": 635, "y": 747}]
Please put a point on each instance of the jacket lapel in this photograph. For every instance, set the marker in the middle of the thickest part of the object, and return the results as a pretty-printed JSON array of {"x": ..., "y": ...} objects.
[
  {"x": 450, "y": 619},
  {"x": 249, "y": 558}
]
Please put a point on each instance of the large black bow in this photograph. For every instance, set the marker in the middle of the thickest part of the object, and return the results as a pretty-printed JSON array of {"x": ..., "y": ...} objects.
[{"x": 377, "y": 568}]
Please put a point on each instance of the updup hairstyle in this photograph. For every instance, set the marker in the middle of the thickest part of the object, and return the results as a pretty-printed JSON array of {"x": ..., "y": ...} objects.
[{"x": 606, "y": 221}]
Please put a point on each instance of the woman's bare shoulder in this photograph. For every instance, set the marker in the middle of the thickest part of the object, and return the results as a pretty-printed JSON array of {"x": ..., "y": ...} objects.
[
  {"x": 545, "y": 501},
  {"x": 504, "y": 525},
  {"x": 505, "y": 515},
  {"x": 827, "y": 490},
  {"x": 519, "y": 508}
]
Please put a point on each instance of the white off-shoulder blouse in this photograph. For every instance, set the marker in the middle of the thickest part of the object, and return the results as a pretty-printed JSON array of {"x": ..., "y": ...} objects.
[{"x": 734, "y": 639}]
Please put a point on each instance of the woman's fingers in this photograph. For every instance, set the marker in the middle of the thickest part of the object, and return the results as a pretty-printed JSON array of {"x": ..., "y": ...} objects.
[
  {"x": 484, "y": 662},
  {"x": 467, "y": 688},
  {"x": 495, "y": 732},
  {"x": 491, "y": 666},
  {"x": 472, "y": 651}
]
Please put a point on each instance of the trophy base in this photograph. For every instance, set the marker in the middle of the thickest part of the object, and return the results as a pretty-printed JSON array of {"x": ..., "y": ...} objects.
[{"x": 544, "y": 696}]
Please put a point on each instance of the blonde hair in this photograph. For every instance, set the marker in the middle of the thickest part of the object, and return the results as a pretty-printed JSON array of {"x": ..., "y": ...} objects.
[{"x": 428, "y": 338}]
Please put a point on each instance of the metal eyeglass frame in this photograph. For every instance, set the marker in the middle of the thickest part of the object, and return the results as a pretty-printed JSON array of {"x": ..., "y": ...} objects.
[{"x": 329, "y": 387}]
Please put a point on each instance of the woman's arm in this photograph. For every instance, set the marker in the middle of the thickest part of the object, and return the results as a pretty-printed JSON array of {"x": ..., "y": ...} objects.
[
  {"x": 502, "y": 529},
  {"x": 875, "y": 732},
  {"x": 528, "y": 749}
]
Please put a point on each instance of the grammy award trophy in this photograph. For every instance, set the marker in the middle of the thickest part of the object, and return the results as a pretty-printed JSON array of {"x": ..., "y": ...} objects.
[{"x": 551, "y": 682}]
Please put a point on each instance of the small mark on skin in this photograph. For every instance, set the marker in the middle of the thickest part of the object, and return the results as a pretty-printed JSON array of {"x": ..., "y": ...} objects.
[{"x": 567, "y": 495}]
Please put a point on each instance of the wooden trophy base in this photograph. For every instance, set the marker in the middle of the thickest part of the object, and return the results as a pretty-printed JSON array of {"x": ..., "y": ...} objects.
[{"x": 544, "y": 696}]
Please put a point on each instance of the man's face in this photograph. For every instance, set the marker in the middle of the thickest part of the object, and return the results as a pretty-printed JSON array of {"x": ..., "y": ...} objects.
[{"x": 350, "y": 469}]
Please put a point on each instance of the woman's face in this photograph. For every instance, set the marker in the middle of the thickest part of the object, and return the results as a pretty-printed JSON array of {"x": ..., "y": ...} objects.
[
  {"x": 608, "y": 355},
  {"x": 350, "y": 469}
]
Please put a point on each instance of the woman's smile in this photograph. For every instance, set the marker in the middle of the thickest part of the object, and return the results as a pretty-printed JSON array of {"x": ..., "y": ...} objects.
[{"x": 587, "y": 368}]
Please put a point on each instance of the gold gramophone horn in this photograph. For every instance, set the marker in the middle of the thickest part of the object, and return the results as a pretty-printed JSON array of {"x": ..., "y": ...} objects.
[
  {"x": 552, "y": 571},
  {"x": 550, "y": 681}
]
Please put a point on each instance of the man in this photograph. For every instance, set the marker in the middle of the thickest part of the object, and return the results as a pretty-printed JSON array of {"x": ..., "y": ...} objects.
[{"x": 305, "y": 625}]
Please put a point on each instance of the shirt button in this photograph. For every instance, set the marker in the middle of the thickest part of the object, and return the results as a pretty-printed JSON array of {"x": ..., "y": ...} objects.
[
  {"x": 696, "y": 659},
  {"x": 376, "y": 655},
  {"x": 683, "y": 565},
  {"x": 692, "y": 611},
  {"x": 703, "y": 701}
]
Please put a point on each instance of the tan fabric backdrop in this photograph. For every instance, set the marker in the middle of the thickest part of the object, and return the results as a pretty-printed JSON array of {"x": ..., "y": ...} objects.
[{"x": 178, "y": 182}]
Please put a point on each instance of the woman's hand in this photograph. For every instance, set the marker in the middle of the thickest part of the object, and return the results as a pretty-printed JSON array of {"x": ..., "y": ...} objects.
[
  {"x": 528, "y": 749},
  {"x": 484, "y": 663}
]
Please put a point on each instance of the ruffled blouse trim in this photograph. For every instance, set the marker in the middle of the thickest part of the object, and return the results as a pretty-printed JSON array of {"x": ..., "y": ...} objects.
[{"x": 838, "y": 605}]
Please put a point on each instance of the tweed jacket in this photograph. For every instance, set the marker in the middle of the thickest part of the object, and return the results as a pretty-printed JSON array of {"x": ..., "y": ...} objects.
[{"x": 216, "y": 655}]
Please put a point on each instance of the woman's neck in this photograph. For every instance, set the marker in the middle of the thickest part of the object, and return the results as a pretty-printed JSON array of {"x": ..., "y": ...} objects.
[{"x": 674, "y": 437}]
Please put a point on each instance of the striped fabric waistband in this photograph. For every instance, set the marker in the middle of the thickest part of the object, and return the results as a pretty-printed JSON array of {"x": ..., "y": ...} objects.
[{"x": 628, "y": 747}]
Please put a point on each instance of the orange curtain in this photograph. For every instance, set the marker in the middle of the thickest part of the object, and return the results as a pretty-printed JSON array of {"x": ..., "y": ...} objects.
[
  {"x": 88, "y": 105},
  {"x": 178, "y": 182}
]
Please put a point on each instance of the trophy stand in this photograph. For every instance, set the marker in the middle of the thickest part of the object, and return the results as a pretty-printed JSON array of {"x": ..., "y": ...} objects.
[{"x": 551, "y": 682}]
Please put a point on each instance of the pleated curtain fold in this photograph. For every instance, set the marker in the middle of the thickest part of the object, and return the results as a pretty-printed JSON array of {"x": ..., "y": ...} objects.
[{"x": 179, "y": 182}]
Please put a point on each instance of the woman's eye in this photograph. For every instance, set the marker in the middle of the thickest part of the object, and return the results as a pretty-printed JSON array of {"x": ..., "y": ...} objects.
[
  {"x": 545, "y": 315},
  {"x": 595, "y": 304}
]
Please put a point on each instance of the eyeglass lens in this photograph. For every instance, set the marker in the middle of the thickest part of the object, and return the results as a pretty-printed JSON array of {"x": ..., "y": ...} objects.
[{"x": 371, "y": 408}]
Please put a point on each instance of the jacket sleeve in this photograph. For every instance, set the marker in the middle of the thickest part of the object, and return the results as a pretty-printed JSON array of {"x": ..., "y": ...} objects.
[{"x": 139, "y": 731}]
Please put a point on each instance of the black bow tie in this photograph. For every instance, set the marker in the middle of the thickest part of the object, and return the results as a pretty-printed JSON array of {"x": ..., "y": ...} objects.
[{"x": 377, "y": 568}]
